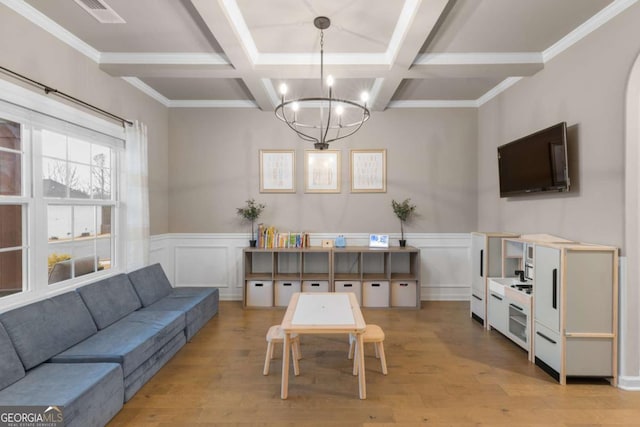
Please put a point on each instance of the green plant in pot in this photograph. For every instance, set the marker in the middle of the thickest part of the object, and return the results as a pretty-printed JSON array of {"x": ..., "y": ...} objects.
[
  {"x": 251, "y": 212},
  {"x": 403, "y": 211}
]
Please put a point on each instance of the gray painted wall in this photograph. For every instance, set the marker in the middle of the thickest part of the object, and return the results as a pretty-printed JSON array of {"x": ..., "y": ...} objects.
[
  {"x": 33, "y": 52},
  {"x": 584, "y": 86},
  {"x": 214, "y": 164}
]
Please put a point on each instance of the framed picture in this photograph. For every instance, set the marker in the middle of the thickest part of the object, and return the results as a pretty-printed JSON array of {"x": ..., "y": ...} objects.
[
  {"x": 322, "y": 171},
  {"x": 369, "y": 171},
  {"x": 277, "y": 171}
]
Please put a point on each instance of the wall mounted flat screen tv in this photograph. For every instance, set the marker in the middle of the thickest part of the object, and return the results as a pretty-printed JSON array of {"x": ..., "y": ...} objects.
[{"x": 535, "y": 163}]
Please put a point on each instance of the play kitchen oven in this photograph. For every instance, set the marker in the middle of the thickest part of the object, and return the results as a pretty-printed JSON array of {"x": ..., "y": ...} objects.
[
  {"x": 509, "y": 309},
  {"x": 518, "y": 299}
]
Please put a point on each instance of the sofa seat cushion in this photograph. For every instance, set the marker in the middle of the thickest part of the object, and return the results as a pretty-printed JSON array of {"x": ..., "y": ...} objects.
[
  {"x": 199, "y": 304},
  {"x": 45, "y": 328},
  {"x": 11, "y": 369},
  {"x": 150, "y": 283},
  {"x": 143, "y": 373},
  {"x": 90, "y": 393},
  {"x": 110, "y": 300},
  {"x": 130, "y": 341}
]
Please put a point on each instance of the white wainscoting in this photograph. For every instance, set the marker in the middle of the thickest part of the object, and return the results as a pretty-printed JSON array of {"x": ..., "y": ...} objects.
[{"x": 215, "y": 259}]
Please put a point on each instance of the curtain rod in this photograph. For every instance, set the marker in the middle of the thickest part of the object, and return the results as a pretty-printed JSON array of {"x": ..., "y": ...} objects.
[{"x": 49, "y": 90}]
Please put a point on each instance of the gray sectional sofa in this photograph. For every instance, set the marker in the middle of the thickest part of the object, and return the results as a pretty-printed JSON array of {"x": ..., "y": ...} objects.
[{"x": 92, "y": 349}]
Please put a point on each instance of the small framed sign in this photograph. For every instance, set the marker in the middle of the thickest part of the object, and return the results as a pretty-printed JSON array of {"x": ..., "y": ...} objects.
[
  {"x": 378, "y": 240},
  {"x": 368, "y": 171},
  {"x": 277, "y": 171},
  {"x": 322, "y": 171}
]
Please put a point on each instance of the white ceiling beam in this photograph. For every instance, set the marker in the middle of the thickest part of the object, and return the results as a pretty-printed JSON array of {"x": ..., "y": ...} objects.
[
  {"x": 218, "y": 19},
  {"x": 418, "y": 27}
]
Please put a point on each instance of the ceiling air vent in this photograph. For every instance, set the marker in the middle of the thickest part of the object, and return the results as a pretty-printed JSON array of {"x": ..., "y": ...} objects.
[{"x": 101, "y": 11}]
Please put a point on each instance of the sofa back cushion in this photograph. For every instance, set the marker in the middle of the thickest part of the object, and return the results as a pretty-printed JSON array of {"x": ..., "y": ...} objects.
[
  {"x": 45, "y": 328},
  {"x": 150, "y": 283},
  {"x": 11, "y": 369},
  {"x": 109, "y": 300}
]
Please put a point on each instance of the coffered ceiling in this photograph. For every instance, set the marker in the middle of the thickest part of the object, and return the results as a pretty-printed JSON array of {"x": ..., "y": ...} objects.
[{"x": 406, "y": 53}]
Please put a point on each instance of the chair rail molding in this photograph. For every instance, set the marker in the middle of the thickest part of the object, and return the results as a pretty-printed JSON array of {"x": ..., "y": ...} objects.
[{"x": 215, "y": 259}]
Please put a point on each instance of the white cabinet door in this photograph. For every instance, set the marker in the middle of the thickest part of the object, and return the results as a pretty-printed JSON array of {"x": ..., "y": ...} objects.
[
  {"x": 548, "y": 350},
  {"x": 497, "y": 312},
  {"x": 546, "y": 288},
  {"x": 478, "y": 274}
]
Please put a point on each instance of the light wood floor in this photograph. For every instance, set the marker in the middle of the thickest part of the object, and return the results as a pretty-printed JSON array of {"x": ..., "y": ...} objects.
[{"x": 444, "y": 370}]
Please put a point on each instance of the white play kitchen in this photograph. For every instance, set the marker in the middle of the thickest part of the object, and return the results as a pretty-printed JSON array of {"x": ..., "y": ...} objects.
[{"x": 555, "y": 298}]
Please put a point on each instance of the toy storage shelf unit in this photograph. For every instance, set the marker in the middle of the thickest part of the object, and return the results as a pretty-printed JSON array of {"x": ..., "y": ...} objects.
[{"x": 388, "y": 277}]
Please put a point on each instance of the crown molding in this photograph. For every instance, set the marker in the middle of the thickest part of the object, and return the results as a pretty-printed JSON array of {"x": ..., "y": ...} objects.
[
  {"x": 142, "y": 86},
  {"x": 497, "y": 90},
  {"x": 435, "y": 103},
  {"x": 231, "y": 103},
  {"x": 329, "y": 59},
  {"x": 479, "y": 58},
  {"x": 589, "y": 26},
  {"x": 47, "y": 24},
  {"x": 195, "y": 58},
  {"x": 235, "y": 17},
  {"x": 592, "y": 24}
]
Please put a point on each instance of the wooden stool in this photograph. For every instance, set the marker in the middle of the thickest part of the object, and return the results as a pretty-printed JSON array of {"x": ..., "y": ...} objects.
[
  {"x": 373, "y": 334},
  {"x": 275, "y": 335}
]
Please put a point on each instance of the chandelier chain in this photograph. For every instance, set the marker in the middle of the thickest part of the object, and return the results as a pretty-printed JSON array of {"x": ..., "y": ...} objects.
[{"x": 321, "y": 59}]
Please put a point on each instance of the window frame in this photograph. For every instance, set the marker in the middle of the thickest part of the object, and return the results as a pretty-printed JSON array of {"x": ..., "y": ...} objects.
[
  {"x": 47, "y": 201},
  {"x": 34, "y": 113}
]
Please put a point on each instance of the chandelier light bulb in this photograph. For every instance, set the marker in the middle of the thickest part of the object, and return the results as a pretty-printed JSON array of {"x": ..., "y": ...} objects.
[
  {"x": 283, "y": 89},
  {"x": 330, "y": 80},
  {"x": 364, "y": 97},
  {"x": 295, "y": 106},
  {"x": 339, "y": 110}
]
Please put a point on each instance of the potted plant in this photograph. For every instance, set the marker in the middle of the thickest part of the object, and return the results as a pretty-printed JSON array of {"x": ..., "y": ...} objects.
[
  {"x": 250, "y": 212},
  {"x": 403, "y": 211}
]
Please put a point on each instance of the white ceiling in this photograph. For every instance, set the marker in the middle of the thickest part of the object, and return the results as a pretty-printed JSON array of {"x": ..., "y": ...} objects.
[{"x": 406, "y": 53}]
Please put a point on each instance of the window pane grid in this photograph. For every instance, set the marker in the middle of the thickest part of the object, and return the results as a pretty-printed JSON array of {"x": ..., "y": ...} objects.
[
  {"x": 80, "y": 240},
  {"x": 83, "y": 176},
  {"x": 75, "y": 180},
  {"x": 10, "y": 159},
  {"x": 12, "y": 248}
]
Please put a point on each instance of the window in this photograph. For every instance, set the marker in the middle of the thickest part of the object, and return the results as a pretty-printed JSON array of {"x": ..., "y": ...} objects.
[
  {"x": 58, "y": 203},
  {"x": 77, "y": 182},
  {"x": 12, "y": 249}
]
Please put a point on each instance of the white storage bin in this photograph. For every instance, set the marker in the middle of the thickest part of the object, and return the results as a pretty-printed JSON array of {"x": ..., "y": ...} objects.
[
  {"x": 315, "y": 286},
  {"x": 349, "y": 286},
  {"x": 284, "y": 290},
  {"x": 260, "y": 293},
  {"x": 403, "y": 293},
  {"x": 375, "y": 293}
]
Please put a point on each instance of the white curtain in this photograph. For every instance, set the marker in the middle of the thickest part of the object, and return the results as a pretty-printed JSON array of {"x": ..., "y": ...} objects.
[{"x": 136, "y": 200}]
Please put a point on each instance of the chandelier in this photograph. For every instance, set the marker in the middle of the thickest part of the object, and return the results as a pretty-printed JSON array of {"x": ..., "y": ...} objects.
[{"x": 338, "y": 118}]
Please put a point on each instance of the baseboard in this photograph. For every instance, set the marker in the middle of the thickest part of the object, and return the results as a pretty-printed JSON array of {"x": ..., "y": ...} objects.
[
  {"x": 215, "y": 259},
  {"x": 629, "y": 383}
]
